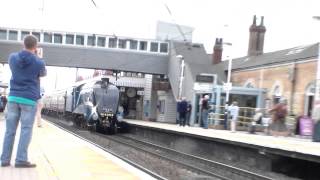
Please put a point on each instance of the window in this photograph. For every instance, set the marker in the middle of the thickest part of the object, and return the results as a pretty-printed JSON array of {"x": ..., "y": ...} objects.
[
  {"x": 122, "y": 43},
  {"x": 3, "y": 34},
  {"x": 112, "y": 42},
  {"x": 24, "y": 33},
  {"x": 133, "y": 44},
  {"x": 47, "y": 37},
  {"x": 162, "y": 104},
  {"x": 154, "y": 47},
  {"x": 91, "y": 40},
  {"x": 79, "y": 40},
  {"x": 164, "y": 47},
  {"x": 276, "y": 94},
  {"x": 249, "y": 85},
  {"x": 143, "y": 45},
  {"x": 69, "y": 39},
  {"x": 101, "y": 41},
  {"x": 37, "y": 35},
  {"x": 57, "y": 38},
  {"x": 13, "y": 35}
]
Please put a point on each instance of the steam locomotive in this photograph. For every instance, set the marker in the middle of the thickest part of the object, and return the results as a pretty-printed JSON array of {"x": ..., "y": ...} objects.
[{"x": 91, "y": 105}]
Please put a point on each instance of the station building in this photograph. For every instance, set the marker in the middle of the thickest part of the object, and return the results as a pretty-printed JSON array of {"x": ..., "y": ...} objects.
[{"x": 289, "y": 73}]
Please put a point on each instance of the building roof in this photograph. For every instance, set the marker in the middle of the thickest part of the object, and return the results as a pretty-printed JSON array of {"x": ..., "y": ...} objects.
[
  {"x": 294, "y": 54},
  {"x": 196, "y": 56}
]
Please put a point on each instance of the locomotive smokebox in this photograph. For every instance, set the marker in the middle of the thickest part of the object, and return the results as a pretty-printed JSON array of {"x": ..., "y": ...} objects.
[{"x": 105, "y": 79}]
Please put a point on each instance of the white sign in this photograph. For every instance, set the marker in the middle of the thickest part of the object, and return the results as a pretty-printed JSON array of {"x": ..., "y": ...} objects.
[
  {"x": 227, "y": 86},
  {"x": 122, "y": 89},
  {"x": 140, "y": 93}
]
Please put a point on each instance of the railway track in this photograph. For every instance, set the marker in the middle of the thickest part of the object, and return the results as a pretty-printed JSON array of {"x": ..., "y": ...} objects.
[{"x": 161, "y": 162}]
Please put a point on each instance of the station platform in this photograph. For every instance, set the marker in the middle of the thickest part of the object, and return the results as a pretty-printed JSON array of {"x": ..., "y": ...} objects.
[
  {"x": 288, "y": 144},
  {"x": 61, "y": 155}
]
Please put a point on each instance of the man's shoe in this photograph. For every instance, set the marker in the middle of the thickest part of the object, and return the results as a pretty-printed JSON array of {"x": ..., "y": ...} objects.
[
  {"x": 3, "y": 164},
  {"x": 25, "y": 165}
]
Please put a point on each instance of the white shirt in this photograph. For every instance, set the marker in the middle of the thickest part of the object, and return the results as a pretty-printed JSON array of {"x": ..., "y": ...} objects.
[{"x": 234, "y": 112}]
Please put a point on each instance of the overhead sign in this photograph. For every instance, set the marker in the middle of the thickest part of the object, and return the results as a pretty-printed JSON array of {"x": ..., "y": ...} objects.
[{"x": 204, "y": 78}]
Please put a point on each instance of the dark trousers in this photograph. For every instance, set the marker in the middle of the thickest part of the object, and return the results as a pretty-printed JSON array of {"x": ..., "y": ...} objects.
[
  {"x": 225, "y": 121},
  {"x": 182, "y": 118}
]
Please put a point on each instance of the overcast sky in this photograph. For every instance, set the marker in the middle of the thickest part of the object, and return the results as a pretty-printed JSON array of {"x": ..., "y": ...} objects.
[{"x": 289, "y": 23}]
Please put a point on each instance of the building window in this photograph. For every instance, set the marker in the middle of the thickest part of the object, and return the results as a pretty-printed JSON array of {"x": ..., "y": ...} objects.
[
  {"x": 24, "y": 33},
  {"x": 79, "y": 40},
  {"x": 122, "y": 43},
  {"x": 143, "y": 45},
  {"x": 3, "y": 34},
  {"x": 91, "y": 40},
  {"x": 164, "y": 47},
  {"x": 47, "y": 37},
  {"x": 154, "y": 47},
  {"x": 162, "y": 104},
  {"x": 112, "y": 43},
  {"x": 249, "y": 85},
  {"x": 13, "y": 35},
  {"x": 276, "y": 94},
  {"x": 57, "y": 38},
  {"x": 133, "y": 44},
  {"x": 101, "y": 41},
  {"x": 69, "y": 39},
  {"x": 37, "y": 35}
]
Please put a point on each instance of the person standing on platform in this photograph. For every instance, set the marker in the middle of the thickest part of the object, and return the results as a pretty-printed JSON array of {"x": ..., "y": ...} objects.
[
  {"x": 26, "y": 68},
  {"x": 39, "y": 108},
  {"x": 278, "y": 126},
  {"x": 234, "y": 113},
  {"x": 205, "y": 111},
  {"x": 189, "y": 109},
  {"x": 182, "y": 109},
  {"x": 225, "y": 116},
  {"x": 257, "y": 119},
  {"x": 177, "y": 116}
]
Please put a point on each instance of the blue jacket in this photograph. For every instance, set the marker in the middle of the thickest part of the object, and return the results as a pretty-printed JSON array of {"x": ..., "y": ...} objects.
[
  {"x": 182, "y": 106},
  {"x": 26, "y": 68}
]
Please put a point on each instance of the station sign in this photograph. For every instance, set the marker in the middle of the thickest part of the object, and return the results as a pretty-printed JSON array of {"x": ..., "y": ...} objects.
[
  {"x": 204, "y": 78},
  {"x": 227, "y": 86}
]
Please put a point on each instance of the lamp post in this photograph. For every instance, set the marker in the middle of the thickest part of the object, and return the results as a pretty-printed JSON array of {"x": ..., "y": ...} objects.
[
  {"x": 181, "y": 75},
  {"x": 228, "y": 85}
]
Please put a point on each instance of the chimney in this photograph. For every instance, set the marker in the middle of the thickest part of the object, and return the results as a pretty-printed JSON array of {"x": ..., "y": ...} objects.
[
  {"x": 217, "y": 51},
  {"x": 256, "y": 38},
  {"x": 261, "y": 32}
]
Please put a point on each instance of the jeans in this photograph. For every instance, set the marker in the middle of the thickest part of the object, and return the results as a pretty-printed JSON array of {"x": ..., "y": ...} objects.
[
  {"x": 182, "y": 119},
  {"x": 26, "y": 115},
  {"x": 205, "y": 118}
]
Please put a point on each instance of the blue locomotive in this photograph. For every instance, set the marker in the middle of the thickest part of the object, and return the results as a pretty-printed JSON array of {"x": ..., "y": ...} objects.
[{"x": 91, "y": 105}]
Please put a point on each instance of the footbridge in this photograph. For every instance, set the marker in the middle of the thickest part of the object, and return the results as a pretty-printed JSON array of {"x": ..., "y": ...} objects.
[{"x": 94, "y": 51}]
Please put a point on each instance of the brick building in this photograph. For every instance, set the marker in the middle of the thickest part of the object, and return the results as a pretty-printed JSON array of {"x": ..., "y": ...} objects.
[{"x": 288, "y": 73}]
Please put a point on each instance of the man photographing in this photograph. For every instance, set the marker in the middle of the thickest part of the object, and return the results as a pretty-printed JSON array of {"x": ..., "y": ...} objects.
[{"x": 26, "y": 69}]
